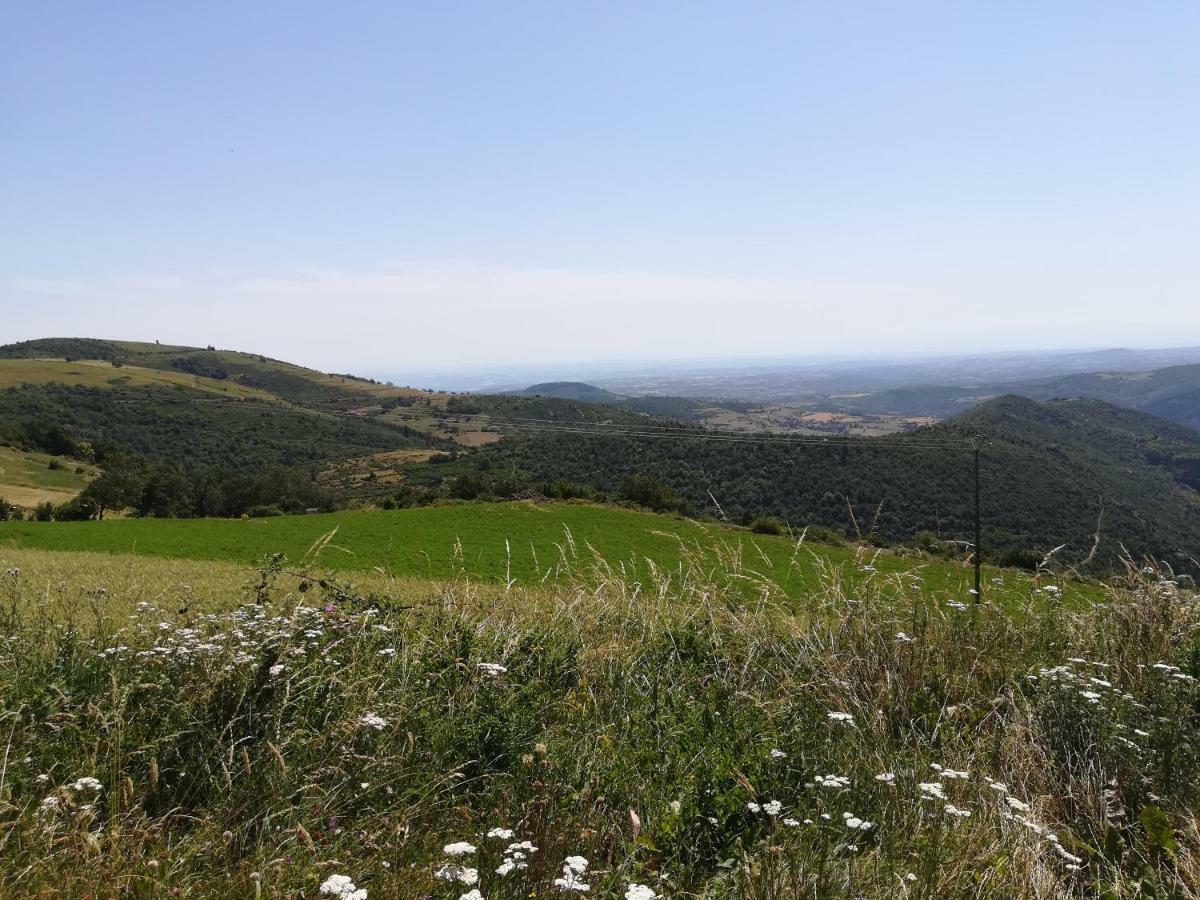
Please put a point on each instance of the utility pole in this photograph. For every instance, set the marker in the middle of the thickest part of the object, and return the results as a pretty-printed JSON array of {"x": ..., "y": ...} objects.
[{"x": 978, "y": 536}]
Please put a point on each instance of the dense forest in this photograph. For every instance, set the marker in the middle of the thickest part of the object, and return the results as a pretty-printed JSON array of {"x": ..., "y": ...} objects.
[{"x": 1051, "y": 474}]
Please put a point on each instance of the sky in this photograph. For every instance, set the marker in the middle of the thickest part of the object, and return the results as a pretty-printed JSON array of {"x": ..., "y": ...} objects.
[{"x": 392, "y": 188}]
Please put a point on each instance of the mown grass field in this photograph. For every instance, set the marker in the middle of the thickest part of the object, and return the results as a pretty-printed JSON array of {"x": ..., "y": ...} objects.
[{"x": 498, "y": 542}]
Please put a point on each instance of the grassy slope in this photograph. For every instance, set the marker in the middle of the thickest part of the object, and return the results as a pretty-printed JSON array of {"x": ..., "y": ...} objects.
[
  {"x": 26, "y": 478},
  {"x": 102, "y": 374},
  {"x": 440, "y": 542}
]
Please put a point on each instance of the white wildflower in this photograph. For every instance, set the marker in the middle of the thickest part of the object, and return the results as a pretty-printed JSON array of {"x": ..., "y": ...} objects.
[
  {"x": 492, "y": 669},
  {"x": 461, "y": 874},
  {"x": 840, "y": 717},
  {"x": 342, "y": 888},
  {"x": 639, "y": 892},
  {"x": 932, "y": 790},
  {"x": 371, "y": 720},
  {"x": 886, "y": 777},
  {"x": 472, "y": 894},
  {"x": 502, "y": 833},
  {"x": 570, "y": 880},
  {"x": 953, "y": 810},
  {"x": 778, "y": 754},
  {"x": 459, "y": 848}
]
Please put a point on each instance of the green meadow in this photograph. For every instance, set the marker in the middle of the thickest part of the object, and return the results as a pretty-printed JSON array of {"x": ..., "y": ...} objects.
[{"x": 496, "y": 542}]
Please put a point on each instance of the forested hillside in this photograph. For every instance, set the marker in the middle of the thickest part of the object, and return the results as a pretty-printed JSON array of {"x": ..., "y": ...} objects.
[{"x": 1051, "y": 473}]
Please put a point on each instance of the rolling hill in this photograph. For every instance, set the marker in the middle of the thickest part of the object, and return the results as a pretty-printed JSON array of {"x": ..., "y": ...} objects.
[
  {"x": 1171, "y": 393},
  {"x": 1054, "y": 473},
  {"x": 1103, "y": 481}
]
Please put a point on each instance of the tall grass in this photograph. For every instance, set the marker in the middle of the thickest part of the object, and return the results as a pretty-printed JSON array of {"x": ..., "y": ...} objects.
[{"x": 678, "y": 732}]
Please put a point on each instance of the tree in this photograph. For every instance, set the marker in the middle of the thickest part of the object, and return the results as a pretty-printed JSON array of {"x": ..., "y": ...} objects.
[{"x": 119, "y": 486}]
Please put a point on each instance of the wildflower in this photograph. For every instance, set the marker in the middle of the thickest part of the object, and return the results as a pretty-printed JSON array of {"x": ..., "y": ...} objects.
[
  {"x": 791, "y": 823},
  {"x": 342, "y": 887},
  {"x": 932, "y": 790},
  {"x": 371, "y": 720},
  {"x": 753, "y": 807},
  {"x": 387, "y": 651},
  {"x": 833, "y": 781},
  {"x": 522, "y": 847},
  {"x": 957, "y": 604},
  {"x": 772, "y": 808},
  {"x": 492, "y": 669},
  {"x": 886, "y": 777},
  {"x": 502, "y": 833},
  {"x": 1017, "y": 804},
  {"x": 855, "y": 823},
  {"x": 903, "y": 638},
  {"x": 570, "y": 880},
  {"x": 639, "y": 892},
  {"x": 276, "y": 669},
  {"x": 953, "y": 810},
  {"x": 950, "y": 773},
  {"x": 1090, "y": 696},
  {"x": 461, "y": 874},
  {"x": 778, "y": 754},
  {"x": 87, "y": 783},
  {"x": 459, "y": 848},
  {"x": 840, "y": 717},
  {"x": 472, "y": 894}
]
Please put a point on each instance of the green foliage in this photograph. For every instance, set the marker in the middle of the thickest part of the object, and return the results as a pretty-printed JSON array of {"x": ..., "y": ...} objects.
[
  {"x": 193, "y": 429},
  {"x": 768, "y": 525}
]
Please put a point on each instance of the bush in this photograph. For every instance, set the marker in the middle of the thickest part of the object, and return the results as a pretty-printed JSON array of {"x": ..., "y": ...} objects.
[
  {"x": 264, "y": 511},
  {"x": 768, "y": 525},
  {"x": 823, "y": 535},
  {"x": 44, "y": 512}
]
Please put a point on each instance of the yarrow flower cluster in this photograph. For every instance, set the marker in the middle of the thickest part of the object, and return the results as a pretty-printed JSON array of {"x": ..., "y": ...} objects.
[
  {"x": 516, "y": 856},
  {"x": 771, "y": 807},
  {"x": 371, "y": 720},
  {"x": 455, "y": 872},
  {"x": 637, "y": 891},
  {"x": 492, "y": 669},
  {"x": 572, "y": 875},
  {"x": 342, "y": 887}
]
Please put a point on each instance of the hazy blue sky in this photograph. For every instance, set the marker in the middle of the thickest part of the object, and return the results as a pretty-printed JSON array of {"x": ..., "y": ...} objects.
[{"x": 391, "y": 186}]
